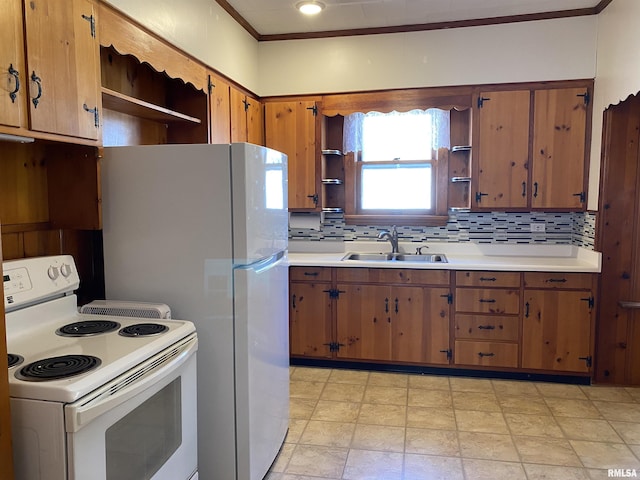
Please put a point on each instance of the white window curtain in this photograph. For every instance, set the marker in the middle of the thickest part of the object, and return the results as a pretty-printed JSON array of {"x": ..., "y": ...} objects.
[{"x": 396, "y": 135}]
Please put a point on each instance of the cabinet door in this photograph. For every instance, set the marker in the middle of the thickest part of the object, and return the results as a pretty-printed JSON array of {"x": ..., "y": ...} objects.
[
  {"x": 420, "y": 325},
  {"x": 219, "y": 110},
  {"x": 556, "y": 330},
  {"x": 364, "y": 322},
  {"x": 62, "y": 59},
  {"x": 255, "y": 121},
  {"x": 560, "y": 120},
  {"x": 291, "y": 128},
  {"x": 12, "y": 71},
  {"x": 503, "y": 150},
  {"x": 239, "y": 132},
  {"x": 408, "y": 324},
  {"x": 310, "y": 320}
]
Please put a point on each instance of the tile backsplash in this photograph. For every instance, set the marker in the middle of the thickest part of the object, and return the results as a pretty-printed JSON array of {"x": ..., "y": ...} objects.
[{"x": 563, "y": 228}]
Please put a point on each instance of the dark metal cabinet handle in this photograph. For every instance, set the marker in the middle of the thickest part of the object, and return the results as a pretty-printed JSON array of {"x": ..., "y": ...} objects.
[
  {"x": 488, "y": 300},
  {"x": 626, "y": 304},
  {"x": 38, "y": 81},
  {"x": 556, "y": 280},
  {"x": 488, "y": 279},
  {"x": 92, "y": 21},
  {"x": 486, "y": 327},
  {"x": 526, "y": 310},
  {"x": 535, "y": 189},
  {"x": 16, "y": 76},
  {"x": 386, "y": 305},
  {"x": 396, "y": 302},
  {"x": 312, "y": 274},
  {"x": 94, "y": 111},
  {"x": 524, "y": 189},
  {"x": 482, "y": 354},
  {"x": 294, "y": 302}
]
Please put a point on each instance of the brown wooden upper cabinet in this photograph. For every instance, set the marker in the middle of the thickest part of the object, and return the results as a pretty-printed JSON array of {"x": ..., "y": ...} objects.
[
  {"x": 219, "y": 110},
  {"x": 559, "y": 144},
  {"x": 12, "y": 94},
  {"x": 62, "y": 59},
  {"x": 247, "y": 121},
  {"x": 291, "y": 128},
  {"x": 531, "y": 149},
  {"x": 503, "y": 149},
  {"x": 51, "y": 72}
]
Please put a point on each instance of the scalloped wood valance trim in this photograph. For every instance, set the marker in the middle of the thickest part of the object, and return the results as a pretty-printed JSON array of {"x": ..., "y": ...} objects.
[
  {"x": 458, "y": 98},
  {"x": 129, "y": 38}
]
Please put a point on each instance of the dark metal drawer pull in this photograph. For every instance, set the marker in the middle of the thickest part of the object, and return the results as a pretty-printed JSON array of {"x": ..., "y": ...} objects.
[
  {"x": 557, "y": 280},
  {"x": 486, "y": 327},
  {"x": 625, "y": 304},
  {"x": 481, "y": 354},
  {"x": 312, "y": 274},
  {"x": 488, "y": 279},
  {"x": 490, "y": 300}
]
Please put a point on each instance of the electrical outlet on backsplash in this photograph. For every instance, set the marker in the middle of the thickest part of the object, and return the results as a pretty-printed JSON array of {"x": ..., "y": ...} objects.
[{"x": 570, "y": 228}]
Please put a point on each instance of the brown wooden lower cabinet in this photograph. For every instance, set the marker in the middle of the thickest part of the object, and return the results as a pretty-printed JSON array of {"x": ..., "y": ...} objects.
[
  {"x": 485, "y": 327},
  {"x": 486, "y": 354},
  {"x": 556, "y": 330},
  {"x": 309, "y": 320},
  {"x": 482, "y": 320},
  {"x": 399, "y": 323}
]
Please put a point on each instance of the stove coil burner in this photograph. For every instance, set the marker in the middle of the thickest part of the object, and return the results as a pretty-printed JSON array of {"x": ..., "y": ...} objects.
[
  {"x": 14, "y": 359},
  {"x": 143, "y": 330},
  {"x": 87, "y": 328},
  {"x": 55, "y": 368}
]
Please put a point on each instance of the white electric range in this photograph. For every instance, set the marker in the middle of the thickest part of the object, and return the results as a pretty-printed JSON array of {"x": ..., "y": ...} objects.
[{"x": 95, "y": 396}]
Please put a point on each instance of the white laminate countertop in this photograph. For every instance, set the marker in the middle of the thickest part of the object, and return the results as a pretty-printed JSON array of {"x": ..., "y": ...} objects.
[{"x": 460, "y": 256}]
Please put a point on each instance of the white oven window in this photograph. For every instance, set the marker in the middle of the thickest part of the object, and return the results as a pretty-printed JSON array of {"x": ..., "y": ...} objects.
[{"x": 139, "y": 444}]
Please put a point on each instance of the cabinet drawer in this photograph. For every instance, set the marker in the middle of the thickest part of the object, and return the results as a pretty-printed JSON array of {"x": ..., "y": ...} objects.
[
  {"x": 558, "y": 280},
  {"x": 487, "y": 300},
  {"x": 488, "y": 279},
  {"x": 311, "y": 274},
  {"x": 386, "y": 276},
  {"x": 486, "y": 327},
  {"x": 487, "y": 354}
]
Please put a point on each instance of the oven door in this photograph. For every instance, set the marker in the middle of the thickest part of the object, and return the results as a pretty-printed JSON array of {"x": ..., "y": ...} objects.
[{"x": 140, "y": 426}]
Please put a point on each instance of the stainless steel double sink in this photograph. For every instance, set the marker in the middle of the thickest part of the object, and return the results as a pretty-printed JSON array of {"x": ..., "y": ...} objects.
[{"x": 396, "y": 257}]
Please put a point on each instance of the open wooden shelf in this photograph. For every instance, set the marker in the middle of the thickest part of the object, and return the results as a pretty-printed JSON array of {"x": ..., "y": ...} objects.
[{"x": 139, "y": 108}]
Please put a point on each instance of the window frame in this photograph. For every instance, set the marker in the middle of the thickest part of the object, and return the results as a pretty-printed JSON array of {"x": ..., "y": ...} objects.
[
  {"x": 355, "y": 215},
  {"x": 360, "y": 166}
]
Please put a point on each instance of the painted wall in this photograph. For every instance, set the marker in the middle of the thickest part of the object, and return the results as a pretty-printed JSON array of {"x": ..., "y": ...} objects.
[
  {"x": 617, "y": 74},
  {"x": 202, "y": 29},
  {"x": 530, "y": 51}
]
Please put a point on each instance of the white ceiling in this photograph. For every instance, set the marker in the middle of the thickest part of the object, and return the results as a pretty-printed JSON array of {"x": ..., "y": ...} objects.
[{"x": 270, "y": 17}]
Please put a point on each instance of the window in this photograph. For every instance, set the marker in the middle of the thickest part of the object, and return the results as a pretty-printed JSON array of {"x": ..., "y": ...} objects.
[{"x": 396, "y": 162}]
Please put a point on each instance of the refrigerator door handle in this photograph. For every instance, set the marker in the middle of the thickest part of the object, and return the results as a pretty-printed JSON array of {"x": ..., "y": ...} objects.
[{"x": 264, "y": 264}]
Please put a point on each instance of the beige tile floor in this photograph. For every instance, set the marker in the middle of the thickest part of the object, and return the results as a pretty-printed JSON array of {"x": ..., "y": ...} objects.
[{"x": 356, "y": 425}]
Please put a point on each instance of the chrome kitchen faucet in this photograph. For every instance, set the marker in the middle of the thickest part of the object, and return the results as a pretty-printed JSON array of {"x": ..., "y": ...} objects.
[{"x": 392, "y": 237}]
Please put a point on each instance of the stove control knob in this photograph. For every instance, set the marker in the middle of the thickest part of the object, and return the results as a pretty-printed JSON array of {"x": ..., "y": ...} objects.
[
  {"x": 53, "y": 272},
  {"x": 65, "y": 270}
]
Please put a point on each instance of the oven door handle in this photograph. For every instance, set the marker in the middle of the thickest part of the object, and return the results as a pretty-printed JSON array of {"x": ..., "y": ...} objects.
[{"x": 129, "y": 384}]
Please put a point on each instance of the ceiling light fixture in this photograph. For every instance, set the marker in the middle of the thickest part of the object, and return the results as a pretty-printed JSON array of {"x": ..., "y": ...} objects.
[{"x": 310, "y": 7}]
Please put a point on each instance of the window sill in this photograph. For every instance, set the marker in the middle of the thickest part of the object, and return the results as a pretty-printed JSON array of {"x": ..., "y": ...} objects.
[{"x": 399, "y": 220}]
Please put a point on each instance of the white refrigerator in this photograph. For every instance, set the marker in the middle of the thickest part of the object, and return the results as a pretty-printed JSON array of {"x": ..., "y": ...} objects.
[{"x": 203, "y": 228}]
